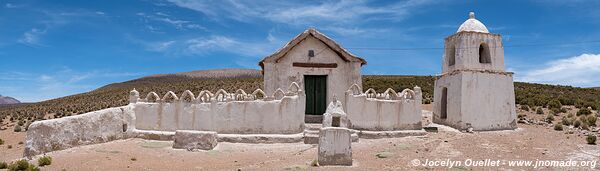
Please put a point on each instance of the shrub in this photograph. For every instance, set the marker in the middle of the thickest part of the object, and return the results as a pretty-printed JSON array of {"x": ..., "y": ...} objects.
[
  {"x": 558, "y": 127},
  {"x": 525, "y": 107},
  {"x": 3, "y": 165},
  {"x": 570, "y": 115},
  {"x": 583, "y": 111},
  {"x": 592, "y": 120},
  {"x": 554, "y": 104},
  {"x": 539, "y": 111},
  {"x": 20, "y": 123},
  {"x": 585, "y": 126},
  {"x": 9, "y": 146},
  {"x": 566, "y": 121},
  {"x": 577, "y": 123},
  {"x": 563, "y": 110},
  {"x": 17, "y": 128},
  {"x": 591, "y": 139},
  {"x": 19, "y": 165},
  {"x": 43, "y": 161},
  {"x": 549, "y": 118},
  {"x": 1, "y": 141}
]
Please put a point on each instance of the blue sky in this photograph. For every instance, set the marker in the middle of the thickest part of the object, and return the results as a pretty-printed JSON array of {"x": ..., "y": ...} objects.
[{"x": 51, "y": 49}]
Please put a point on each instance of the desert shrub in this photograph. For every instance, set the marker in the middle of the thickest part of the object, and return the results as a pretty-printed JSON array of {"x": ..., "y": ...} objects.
[
  {"x": 20, "y": 123},
  {"x": 570, "y": 115},
  {"x": 585, "y": 126},
  {"x": 549, "y": 118},
  {"x": 17, "y": 128},
  {"x": 554, "y": 104},
  {"x": 1, "y": 141},
  {"x": 19, "y": 165},
  {"x": 591, "y": 139},
  {"x": 43, "y": 161},
  {"x": 566, "y": 121},
  {"x": 9, "y": 146},
  {"x": 584, "y": 111},
  {"x": 577, "y": 123},
  {"x": 558, "y": 127},
  {"x": 563, "y": 110},
  {"x": 3, "y": 165},
  {"x": 539, "y": 111},
  {"x": 520, "y": 115},
  {"x": 525, "y": 107},
  {"x": 555, "y": 111},
  {"x": 592, "y": 120}
]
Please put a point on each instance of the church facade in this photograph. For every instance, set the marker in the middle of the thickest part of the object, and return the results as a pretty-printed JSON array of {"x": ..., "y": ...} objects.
[{"x": 321, "y": 67}]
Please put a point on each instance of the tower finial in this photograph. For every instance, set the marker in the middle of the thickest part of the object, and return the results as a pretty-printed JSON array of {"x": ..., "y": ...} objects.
[{"x": 472, "y": 15}]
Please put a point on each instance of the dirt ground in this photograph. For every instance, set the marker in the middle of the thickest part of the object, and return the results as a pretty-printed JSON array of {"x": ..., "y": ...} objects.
[{"x": 528, "y": 143}]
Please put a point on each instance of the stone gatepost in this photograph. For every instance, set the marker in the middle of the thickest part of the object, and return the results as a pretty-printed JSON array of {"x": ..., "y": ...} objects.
[{"x": 335, "y": 146}]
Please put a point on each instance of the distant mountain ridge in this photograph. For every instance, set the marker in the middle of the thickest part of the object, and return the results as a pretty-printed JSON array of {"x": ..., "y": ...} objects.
[{"x": 8, "y": 100}]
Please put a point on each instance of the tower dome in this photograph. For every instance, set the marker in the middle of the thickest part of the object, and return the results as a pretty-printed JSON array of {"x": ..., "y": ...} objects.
[{"x": 472, "y": 25}]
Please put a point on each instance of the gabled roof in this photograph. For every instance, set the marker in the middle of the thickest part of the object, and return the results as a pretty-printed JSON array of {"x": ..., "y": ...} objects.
[{"x": 347, "y": 56}]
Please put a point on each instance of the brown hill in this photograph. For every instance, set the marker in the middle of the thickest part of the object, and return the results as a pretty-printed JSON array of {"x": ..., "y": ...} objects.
[{"x": 8, "y": 100}]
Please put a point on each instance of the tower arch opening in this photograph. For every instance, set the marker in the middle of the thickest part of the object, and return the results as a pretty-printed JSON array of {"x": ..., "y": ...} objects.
[
  {"x": 484, "y": 54},
  {"x": 451, "y": 55}
]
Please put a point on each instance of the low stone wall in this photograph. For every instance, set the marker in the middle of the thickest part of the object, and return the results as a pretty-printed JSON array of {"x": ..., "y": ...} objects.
[
  {"x": 90, "y": 128},
  {"x": 225, "y": 113},
  {"x": 386, "y": 111}
]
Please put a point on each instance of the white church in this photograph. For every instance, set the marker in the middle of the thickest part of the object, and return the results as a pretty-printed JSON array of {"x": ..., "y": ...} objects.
[{"x": 311, "y": 79}]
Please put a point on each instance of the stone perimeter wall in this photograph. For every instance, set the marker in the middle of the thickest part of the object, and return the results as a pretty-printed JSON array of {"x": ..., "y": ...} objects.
[
  {"x": 89, "y": 128},
  {"x": 265, "y": 116},
  {"x": 225, "y": 113},
  {"x": 388, "y": 111}
]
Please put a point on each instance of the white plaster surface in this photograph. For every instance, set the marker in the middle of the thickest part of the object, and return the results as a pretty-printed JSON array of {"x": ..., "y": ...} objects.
[
  {"x": 279, "y": 74},
  {"x": 335, "y": 146},
  {"x": 89, "y": 128},
  {"x": 285, "y": 116},
  {"x": 479, "y": 95},
  {"x": 375, "y": 114},
  {"x": 472, "y": 25}
]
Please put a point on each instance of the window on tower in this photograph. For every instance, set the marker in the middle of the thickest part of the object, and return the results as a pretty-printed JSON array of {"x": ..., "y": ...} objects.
[
  {"x": 484, "y": 54},
  {"x": 451, "y": 55}
]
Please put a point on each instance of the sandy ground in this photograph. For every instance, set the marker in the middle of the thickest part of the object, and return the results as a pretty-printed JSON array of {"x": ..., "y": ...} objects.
[{"x": 529, "y": 142}]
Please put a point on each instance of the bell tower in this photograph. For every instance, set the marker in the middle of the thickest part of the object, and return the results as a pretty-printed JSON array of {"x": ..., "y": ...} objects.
[{"x": 473, "y": 90}]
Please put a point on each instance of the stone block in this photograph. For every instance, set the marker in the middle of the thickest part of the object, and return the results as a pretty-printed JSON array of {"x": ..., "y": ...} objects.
[
  {"x": 335, "y": 146},
  {"x": 190, "y": 140}
]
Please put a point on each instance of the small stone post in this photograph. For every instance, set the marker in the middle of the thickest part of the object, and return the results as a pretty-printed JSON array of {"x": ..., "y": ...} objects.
[
  {"x": 335, "y": 146},
  {"x": 134, "y": 95}
]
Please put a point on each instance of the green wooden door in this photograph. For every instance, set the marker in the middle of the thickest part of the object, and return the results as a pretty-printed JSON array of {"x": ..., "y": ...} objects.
[{"x": 315, "y": 87}]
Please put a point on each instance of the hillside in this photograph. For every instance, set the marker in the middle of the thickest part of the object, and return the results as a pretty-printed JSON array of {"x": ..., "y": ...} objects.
[
  {"x": 8, "y": 100},
  {"x": 117, "y": 94}
]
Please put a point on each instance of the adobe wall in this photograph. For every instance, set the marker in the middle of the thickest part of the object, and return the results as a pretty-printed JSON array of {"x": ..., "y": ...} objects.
[
  {"x": 282, "y": 73},
  {"x": 386, "y": 111},
  {"x": 285, "y": 116},
  {"x": 89, "y": 128}
]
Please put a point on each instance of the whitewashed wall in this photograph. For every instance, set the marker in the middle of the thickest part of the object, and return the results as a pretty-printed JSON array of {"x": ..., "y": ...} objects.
[
  {"x": 283, "y": 116},
  {"x": 384, "y": 111},
  {"x": 225, "y": 113},
  {"x": 89, "y": 128}
]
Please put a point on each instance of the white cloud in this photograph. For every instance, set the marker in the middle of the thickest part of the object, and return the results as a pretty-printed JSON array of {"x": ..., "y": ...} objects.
[
  {"x": 9, "y": 5},
  {"x": 32, "y": 37},
  {"x": 582, "y": 71},
  {"x": 179, "y": 24},
  {"x": 258, "y": 49},
  {"x": 160, "y": 46},
  {"x": 301, "y": 12},
  {"x": 100, "y": 13}
]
